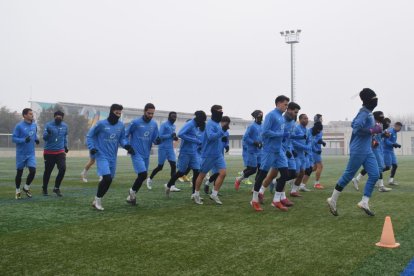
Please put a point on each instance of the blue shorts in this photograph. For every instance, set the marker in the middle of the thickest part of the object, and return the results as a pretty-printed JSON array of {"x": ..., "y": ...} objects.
[
  {"x": 92, "y": 156},
  {"x": 25, "y": 161},
  {"x": 273, "y": 160},
  {"x": 212, "y": 163},
  {"x": 140, "y": 164},
  {"x": 188, "y": 160},
  {"x": 300, "y": 162},
  {"x": 292, "y": 163},
  {"x": 244, "y": 155},
  {"x": 380, "y": 158},
  {"x": 390, "y": 158},
  {"x": 317, "y": 158},
  {"x": 309, "y": 161},
  {"x": 105, "y": 166},
  {"x": 252, "y": 160},
  {"x": 166, "y": 154}
]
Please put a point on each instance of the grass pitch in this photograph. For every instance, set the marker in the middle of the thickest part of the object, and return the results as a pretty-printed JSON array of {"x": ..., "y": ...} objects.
[{"x": 50, "y": 235}]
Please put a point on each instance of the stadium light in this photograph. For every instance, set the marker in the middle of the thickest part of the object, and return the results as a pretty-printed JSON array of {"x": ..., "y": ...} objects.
[{"x": 292, "y": 37}]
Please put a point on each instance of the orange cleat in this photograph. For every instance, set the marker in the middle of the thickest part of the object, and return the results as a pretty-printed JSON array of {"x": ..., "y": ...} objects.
[
  {"x": 237, "y": 184},
  {"x": 279, "y": 206},
  {"x": 286, "y": 202},
  {"x": 261, "y": 198},
  {"x": 295, "y": 194},
  {"x": 256, "y": 206},
  {"x": 318, "y": 186}
]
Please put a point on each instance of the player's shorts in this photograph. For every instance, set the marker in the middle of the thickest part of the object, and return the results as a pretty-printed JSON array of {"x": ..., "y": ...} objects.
[
  {"x": 105, "y": 166},
  {"x": 292, "y": 163},
  {"x": 390, "y": 158},
  {"x": 166, "y": 154},
  {"x": 25, "y": 161},
  {"x": 140, "y": 164},
  {"x": 300, "y": 162},
  {"x": 252, "y": 160},
  {"x": 212, "y": 163},
  {"x": 317, "y": 158},
  {"x": 188, "y": 160},
  {"x": 275, "y": 160}
]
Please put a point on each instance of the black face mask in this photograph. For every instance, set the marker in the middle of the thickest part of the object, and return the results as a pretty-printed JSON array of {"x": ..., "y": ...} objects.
[
  {"x": 58, "y": 121},
  {"x": 259, "y": 120},
  {"x": 216, "y": 116},
  {"x": 201, "y": 126},
  {"x": 371, "y": 104},
  {"x": 385, "y": 125},
  {"x": 112, "y": 118}
]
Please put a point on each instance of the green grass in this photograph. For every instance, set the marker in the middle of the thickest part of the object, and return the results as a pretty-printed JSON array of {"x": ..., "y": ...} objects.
[{"x": 50, "y": 235}]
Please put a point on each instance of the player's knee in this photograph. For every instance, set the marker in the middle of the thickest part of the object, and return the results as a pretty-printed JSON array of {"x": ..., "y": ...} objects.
[
  {"x": 32, "y": 170},
  {"x": 160, "y": 167},
  {"x": 19, "y": 173},
  {"x": 223, "y": 173},
  {"x": 394, "y": 166},
  {"x": 107, "y": 179},
  {"x": 143, "y": 175}
]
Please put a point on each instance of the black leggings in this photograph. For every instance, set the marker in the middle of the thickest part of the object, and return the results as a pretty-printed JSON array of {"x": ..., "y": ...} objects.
[
  {"x": 138, "y": 181},
  {"x": 104, "y": 185},
  {"x": 248, "y": 172},
  {"x": 29, "y": 179},
  {"x": 50, "y": 161},
  {"x": 159, "y": 168}
]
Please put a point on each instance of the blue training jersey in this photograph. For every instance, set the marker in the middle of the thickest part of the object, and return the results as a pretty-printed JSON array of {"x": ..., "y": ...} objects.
[
  {"x": 273, "y": 131},
  {"x": 58, "y": 137},
  {"x": 302, "y": 145},
  {"x": 189, "y": 139},
  {"x": 20, "y": 132},
  {"x": 253, "y": 133},
  {"x": 106, "y": 138},
  {"x": 361, "y": 138},
  {"x": 212, "y": 144},
  {"x": 142, "y": 135},
  {"x": 389, "y": 141},
  {"x": 165, "y": 134}
]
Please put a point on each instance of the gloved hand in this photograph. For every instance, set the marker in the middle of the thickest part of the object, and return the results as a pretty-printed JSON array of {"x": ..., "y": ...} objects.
[
  {"x": 157, "y": 141},
  {"x": 374, "y": 143},
  {"x": 319, "y": 152},
  {"x": 66, "y": 150},
  {"x": 295, "y": 154},
  {"x": 257, "y": 144},
  {"x": 224, "y": 139},
  {"x": 93, "y": 151},
  {"x": 175, "y": 138},
  {"x": 376, "y": 129},
  {"x": 129, "y": 149},
  {"x": 227, "y": 148},
  {"x": 27, "y": 139},
  {"x": 321, "y": 142},
  {"x": 225, "y": 127},
  {"x": 305, "y": 136},
  {"x": 48, "y": 131},
  {"x": 174, "y": 135},
  {"x": 288, "y": 154},
  {"x": 396, "y": 145},
  {"x": 37, "y": 141}
]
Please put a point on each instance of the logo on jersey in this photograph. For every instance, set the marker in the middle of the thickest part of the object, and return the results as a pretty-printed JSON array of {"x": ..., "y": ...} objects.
[
  {"x": 146, "y": 133},
  {"x": 113, "y": 136}
]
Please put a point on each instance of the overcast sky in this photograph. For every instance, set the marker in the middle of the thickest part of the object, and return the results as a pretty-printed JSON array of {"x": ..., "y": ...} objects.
[{"x": 188, "y": 55}]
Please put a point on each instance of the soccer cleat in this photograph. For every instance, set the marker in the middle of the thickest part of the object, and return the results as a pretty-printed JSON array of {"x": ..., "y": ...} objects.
[
  {"x": 393, "y": 183},
  {"x": 167, "y": 190},
  {"x": 197, "y": 199},
  {"x": 365, "y": 207},
  {"x": 247, "y": 181},
  {"x": 174, "y": 189},
  {"x": 280, "y": 206},
  {"x": 28, "y": 193},
  {"x": 181, "y": 179},
  {"x": 256, "y": 206},
  {"x": 356, "y": 183},
  {"x": 83, "y": 178},
  {"x": 303, "y": 188},
  {"x": 131, "y": 199},
  {"x": 384, "y": 189},
  {"x": 149, "y": 183},
  {"x": 216, "y": 199},
  {"x": 186, "y": 178},
  {"x": 206, "y": 188},
  {"x": 332, "y": 206},
  {"x": 57, "y": 192},
  {"x": 97, "y": 204},
  {"x": 18, "y": 196},
  {"x": 261, "y": 198},
  {"x": 286, "y": 202},
  {"x": 318, "y": 186},
  {"x": 44, "y": 192},
  {"x": 192, "y": 197},
  {"x": 237, "y": 184},
  {"x": 295, "y": 194}
]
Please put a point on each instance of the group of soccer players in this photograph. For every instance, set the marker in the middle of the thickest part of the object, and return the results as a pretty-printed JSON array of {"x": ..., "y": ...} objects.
[{"x": 277, "y": 149}]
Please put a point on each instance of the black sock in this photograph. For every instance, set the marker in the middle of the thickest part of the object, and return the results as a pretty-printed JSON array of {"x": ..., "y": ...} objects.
[
  {"x": 393, "y": 170},
  {"x": 173, "y": 166}
]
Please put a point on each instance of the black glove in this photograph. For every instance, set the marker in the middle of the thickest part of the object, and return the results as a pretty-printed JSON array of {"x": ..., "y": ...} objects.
[
  {"x": 27, "y": 139},
  {"x": 66, "y": 150},
  {"x": 295, "y": 154},
  {"x": 225, "y": 127},
  {"x": 306, "y": 153},
  {"x": 175, "y": 138},
  {"x": 319, "y": 152},
  {"x": 288, "y": 154},
  {"x": 37, "y": 141},
  {"x": 321, "y": 142},
  {"x": 396, "y": 145},
  {"x": 174, "y": 135},
  {"x": 224, "y": 139},
  {"x": 93, "y": 151},
  {"x": 227, "y": 148},
  {"x": 157, "y": 141},
  {"x": 257, "y": 144},
  {"x": 48, "y": 131},
  {"x": 129, "y": 149},
  {"x": 305, "y": 136}
]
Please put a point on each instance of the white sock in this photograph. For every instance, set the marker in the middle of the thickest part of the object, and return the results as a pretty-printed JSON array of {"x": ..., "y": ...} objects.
[
  {"x": 277, "y": 196},
  {"x": 262, "y": 189},
  {"x": 381, "y": 182},
  {"x": 359, "y": 177},
  {"x": 391, "y": 180},
  {"x": 294, "y": 188},
  {"x": 302, "y": 185},
  {"x": 197, "y": 193},
  {"x": 283, "y": 197},
  {"x": 214, "y": 192},
  {"x": 365, "y": 199},
  {"x": 84, "y": 172},
  {"x": 132, "y": 191},
  {"x": 317, "y": 182},
  {"x": 255, "y": 196},
  {"x": 335, "y": 195},
  {"x": 17, "y": 190},
  {"x": 26, "y": 187},
  {"x": 173, "y": 186},
  {"x": 240, "y": 178}
]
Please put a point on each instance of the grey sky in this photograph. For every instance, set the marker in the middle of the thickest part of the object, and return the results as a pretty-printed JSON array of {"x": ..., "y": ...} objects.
[{"x": 188, "y": 55}]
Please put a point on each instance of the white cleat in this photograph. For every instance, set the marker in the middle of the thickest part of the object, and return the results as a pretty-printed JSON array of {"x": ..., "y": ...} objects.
[
  {"x": 303, "y": 188},
  {"x": 216, "y": 199},
  {"x": 97, "y": 204},
  {"x": 197, "y": 199},
  {"x": 393, "y": 183},
  {"x": 174, "y": 189},
  {"x": 167, "y": 190},
  {"x": 149, "y": 183},
  {"x": 332, "y": 206},
  {"x": 384, "y": 189},
  {"x": 365, "y": 207},
  {"x": 356, "y": 183},
  {"x": 132, "y": 198},
  {"x": 84, "y": 179}
]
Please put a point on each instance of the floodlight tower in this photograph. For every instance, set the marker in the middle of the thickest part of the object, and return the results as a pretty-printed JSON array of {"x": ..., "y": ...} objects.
[{"x": 292, "y": 37}]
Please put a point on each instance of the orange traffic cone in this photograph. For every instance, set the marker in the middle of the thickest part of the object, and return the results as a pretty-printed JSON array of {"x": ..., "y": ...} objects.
[{"x": 387, "y": 237}]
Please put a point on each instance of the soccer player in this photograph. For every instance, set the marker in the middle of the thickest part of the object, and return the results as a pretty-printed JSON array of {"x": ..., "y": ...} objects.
[
  {"x": 252, "y": 138},
  {"x": 212, "y": 156},
  {"x": 389, "y": 156},
  {"x": 142, "y": 133},
  {"x": 25, "y": 138},
  {"x": 363, "y": 127},
  {"x": 274, "y": 158},
  {"x": 317, "y": 144},
  {"x": 103, "y": 140},
  {"x": 55, "y": 136},
  {"x": 166, "y": 149},
  {"x": 188, "y": 157},
  {"x": 377, "y": 148}
]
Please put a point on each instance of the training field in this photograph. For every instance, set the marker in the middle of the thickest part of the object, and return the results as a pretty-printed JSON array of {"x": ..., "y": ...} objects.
[{"x": 159, "y": 236}]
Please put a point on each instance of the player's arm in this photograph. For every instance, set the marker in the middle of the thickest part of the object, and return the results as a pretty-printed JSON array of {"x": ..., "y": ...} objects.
[
  {"x": 267, "y": 126},
  {"x": 212, "y": 135},
  {"x": 16, "y": 136},
  {"x": 358, "y": 125},
  {"x": 184, "y": 134}
]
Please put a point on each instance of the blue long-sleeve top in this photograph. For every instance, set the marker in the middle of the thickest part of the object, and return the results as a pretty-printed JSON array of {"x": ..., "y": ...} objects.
[
  {"x": 316, "y": 147},
  {"x": 273, "y": 131},
  {"x": 212, "y": 144},
  {"x": 189, "y": 139},
  {"x": 290, "y": 130},
  {"x": 58, "y": 137},
  {"x": 142, "y": 135},
  {"x": 226, "y": 143},
  {"x": 302, "y": 145},
  {"x": 361, "y": 135},
  {"x": 20, "y": 132},
  {"x": 253, "y": 133},
  {"x": 389, "y": 141},
  {"x": 106, "y": 138},
  {"x": 165, "y": 134}
]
